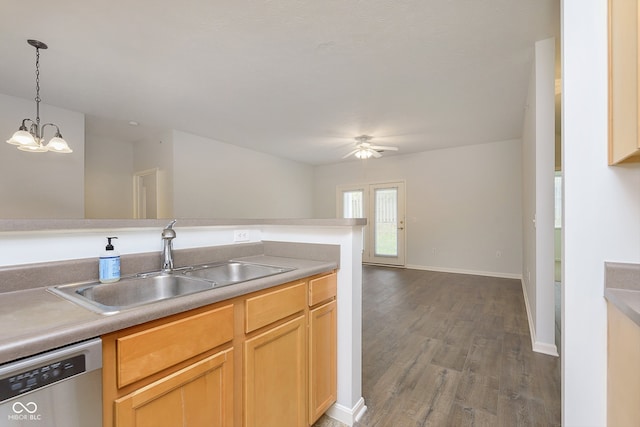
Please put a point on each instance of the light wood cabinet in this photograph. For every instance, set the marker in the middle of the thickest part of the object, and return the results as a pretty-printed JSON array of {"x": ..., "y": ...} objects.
[
  {"x": 176, "y": 371},
  {"x": 263, "y": 359},
  {"x": 272, "y": 306},
  {"x": 151, "y": 350},
  {"x": 198, "y": 395},
  {"x": 322, "y": 289},
  {"x": 624, "y": 137},
  {"x": 275, "y": 366},
  {"x": 623, "y": 370},
  {"x": 322, "y": 359},
  {"x": 323, "y": 340}
]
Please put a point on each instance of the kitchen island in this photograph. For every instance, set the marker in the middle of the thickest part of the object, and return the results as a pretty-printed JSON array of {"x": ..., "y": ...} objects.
[{"x": 63, "y": 243}]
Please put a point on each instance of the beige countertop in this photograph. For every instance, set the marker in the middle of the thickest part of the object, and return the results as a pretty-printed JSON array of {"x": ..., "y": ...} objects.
[
  {"x": 35, "y": 320},
  {"x": 622, "y": 288}
]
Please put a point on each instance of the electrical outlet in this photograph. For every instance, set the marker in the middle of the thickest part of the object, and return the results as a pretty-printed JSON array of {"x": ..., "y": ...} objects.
[{"x": 240, "y": 235}]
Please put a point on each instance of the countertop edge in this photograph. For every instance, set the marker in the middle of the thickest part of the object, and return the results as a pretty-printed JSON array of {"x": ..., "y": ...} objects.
[
  {"x": 622, "y": 299},
  {"x": 622, "y": 288},
  {"x": 95, "y": 325},
  {"x": 27, "y": 225}
]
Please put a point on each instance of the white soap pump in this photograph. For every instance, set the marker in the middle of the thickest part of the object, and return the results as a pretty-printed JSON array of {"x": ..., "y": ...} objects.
[{"x": 109, "y": 263}]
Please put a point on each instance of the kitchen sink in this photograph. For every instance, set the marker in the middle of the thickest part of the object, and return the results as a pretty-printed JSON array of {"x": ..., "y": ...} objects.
[
  {"x": 147, "y": 288},
  {"x": 129, "y": 292},
  {"x": 231, "y": 272}
]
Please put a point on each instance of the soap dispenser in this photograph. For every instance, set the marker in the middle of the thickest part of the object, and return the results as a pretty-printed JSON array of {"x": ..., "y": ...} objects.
[{"x": 109, "y": 263}]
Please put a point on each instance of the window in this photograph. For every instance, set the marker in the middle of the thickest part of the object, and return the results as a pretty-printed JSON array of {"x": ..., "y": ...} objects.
[
  {"x": 558, "y": 200},
  {"x": 353, "y": 204}
]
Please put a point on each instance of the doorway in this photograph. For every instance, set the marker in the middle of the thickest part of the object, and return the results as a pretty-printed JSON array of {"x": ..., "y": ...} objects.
[
  {"x": 145, "y": 194},
  {"x": 383, "y": 204}
]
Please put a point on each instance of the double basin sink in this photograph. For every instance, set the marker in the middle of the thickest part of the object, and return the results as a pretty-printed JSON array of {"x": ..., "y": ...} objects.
[{"x": 146, "y": 288}]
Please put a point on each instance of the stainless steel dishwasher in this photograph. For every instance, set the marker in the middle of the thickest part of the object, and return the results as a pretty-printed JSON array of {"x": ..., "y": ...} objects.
[{"x": 59, "y": 388}]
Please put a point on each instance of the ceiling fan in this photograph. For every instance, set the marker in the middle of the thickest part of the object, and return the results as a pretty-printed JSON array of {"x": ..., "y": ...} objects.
[{"x": 364, "y": 149}]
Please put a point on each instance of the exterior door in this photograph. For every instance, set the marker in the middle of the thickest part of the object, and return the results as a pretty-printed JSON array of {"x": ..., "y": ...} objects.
[{"x": 383, "y": 206}]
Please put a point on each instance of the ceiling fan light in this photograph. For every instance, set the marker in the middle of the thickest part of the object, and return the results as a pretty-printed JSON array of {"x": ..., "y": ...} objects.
[
  {"x": 365, "y": 150},
  {"x": 364, "y": 154}
]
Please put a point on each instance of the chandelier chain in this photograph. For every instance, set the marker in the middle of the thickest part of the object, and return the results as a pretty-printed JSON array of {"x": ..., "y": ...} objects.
[{"x": 37, "y": 85}]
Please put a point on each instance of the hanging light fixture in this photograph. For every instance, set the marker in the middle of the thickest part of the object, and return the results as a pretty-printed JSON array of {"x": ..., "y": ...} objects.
[
  {"x": 365, "y": 150},
  {"x": 31, "y": 139}
]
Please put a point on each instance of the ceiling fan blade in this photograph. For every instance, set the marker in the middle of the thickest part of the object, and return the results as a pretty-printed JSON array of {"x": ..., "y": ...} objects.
[
  {"x": 351, "y": 153},
  {"x": 383, "y": 147},
  {"x": 375, "y": 154}
]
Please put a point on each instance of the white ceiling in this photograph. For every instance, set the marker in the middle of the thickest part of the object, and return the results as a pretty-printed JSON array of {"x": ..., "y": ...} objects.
[{"x": 295, "y": 78}]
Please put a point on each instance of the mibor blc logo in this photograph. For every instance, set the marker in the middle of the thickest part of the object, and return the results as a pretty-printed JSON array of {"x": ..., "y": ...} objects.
[{"x": 24, "y": 412}]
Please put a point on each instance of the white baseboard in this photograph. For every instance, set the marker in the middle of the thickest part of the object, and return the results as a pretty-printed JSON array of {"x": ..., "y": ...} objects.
[
  {"x": 461, "y": 271},
  {"x": 545, "y": 348},
  {"x": 537, "y": 346},
  {"x": 345, "y": 415}
]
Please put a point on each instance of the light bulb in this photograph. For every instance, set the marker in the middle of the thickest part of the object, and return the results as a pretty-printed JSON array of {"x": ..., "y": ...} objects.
[{"x": 364, "y": 154}]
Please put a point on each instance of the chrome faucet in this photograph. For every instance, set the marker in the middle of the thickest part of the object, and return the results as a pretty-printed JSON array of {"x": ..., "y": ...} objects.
[{"x": 168, "y": 234}]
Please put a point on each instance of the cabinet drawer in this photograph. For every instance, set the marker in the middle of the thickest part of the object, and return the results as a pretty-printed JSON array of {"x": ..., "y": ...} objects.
[
  {"x": 268, "y": 308},
  {"x": 145, "y": 353},
  {"x": 195, "y": 396},
  {"x": 322, "y": 289}
]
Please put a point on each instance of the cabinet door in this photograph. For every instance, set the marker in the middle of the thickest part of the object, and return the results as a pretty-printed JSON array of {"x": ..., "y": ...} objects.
[
  {"x": 322, "y": 359},
  {"x": 198, "y": 395},
  {"x": 274, "y": 375},
  {"x": 624, "y": 86}
]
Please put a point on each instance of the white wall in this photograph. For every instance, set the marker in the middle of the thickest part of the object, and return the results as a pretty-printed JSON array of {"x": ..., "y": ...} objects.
[
  {"x": 544, "y": 339},
  {"x": 217, "y": 180},
  {"x": 529, "y": 200},
  {"x": 157, "y": 151},
  {"x": 108, "y": 192},
  {"x": 41, "y": 185},
  {"x": 465, "y": 202},
  {"x": 110, "y": 166},
  {"x": 601, "y": 212},
  {"x": 538, "y": 171}
]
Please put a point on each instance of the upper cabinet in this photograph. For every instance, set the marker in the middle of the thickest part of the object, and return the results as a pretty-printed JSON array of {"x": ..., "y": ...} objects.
[{"x": 624, "y": 142}]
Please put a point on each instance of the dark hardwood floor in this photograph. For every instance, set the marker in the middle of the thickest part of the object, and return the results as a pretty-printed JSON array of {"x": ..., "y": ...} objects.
[{"x": 442, "y": 349}]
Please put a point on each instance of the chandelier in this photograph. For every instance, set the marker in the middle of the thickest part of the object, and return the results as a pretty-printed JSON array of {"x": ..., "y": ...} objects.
[{"x": 31, "y": 139}]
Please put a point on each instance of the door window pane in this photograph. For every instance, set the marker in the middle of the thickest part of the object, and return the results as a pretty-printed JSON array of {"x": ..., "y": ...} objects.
[
  {"x": 353, "y": 204},
  {"x": 386, "y": 222}
]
